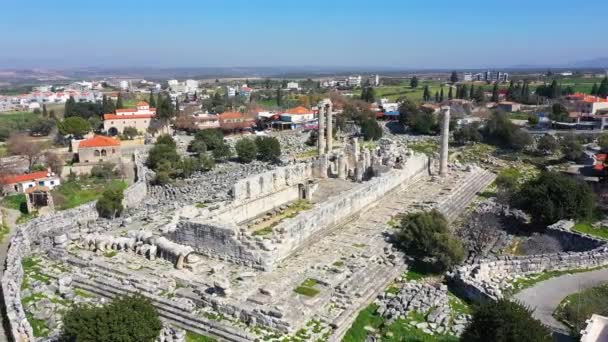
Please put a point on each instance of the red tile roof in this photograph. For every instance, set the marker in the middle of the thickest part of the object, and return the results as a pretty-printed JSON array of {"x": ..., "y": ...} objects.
[
  {"x": 231, "y": 115},
  {"x": 299, "y": 110},
  {"x": 24, "y": 178},
  {"x": 601, "y": 156},
  {"x": 122, "y": 117},
  {"x": 99, "y": 141},
  {"x": 142, "y": 104}
]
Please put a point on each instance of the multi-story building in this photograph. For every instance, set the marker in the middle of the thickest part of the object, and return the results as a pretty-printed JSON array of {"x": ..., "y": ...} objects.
[
  {"x": 354, "y": 81},
  {"x": 139, "y": 118}
]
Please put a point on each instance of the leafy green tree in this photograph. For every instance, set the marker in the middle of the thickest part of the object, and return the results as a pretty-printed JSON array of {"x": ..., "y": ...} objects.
[
  {"x": 164, "y": 152},
  {"x": 110, "y": 204},
  {"x": 441, "y": 96},
  {"x": 479, "y": 96},
  {"x": 594, "y": 89},
  {"x": 269, "y": 149},
  {"x": 472, "y": 92},
  {"x": 222, "y": 152},
  {"x": 197, "y": 146},
  {"x": 107, "y": 105},
  {"x": 119, "y": 104},
  {"x": 602, "y": 90},
  {"x": 464, "y": 92},
  {"x": 547, "y": 144},
  {"x": 246, "y": 150},
  {"x": 130, "y": 132},
  {"x": 552, "y": 197},
  {"x": 212, "y": 137},
  {"x": 414, "y": 82},
  {"x": 152, "y": 100},
  {"x": 495, "y": 96},
  {"x": 602, "y": 140},
  {"x": 426, "y": 235},
  {"x": 124, "y": 319},
  {"x": 454, "y": 77},
  {"x": 500, "y": 131},
  {"x": 45, "y": 114},
  {"x": 371, "y": 130},
  {"x": 426, "y": 95},
  {"x": 559, "y": 113},
  {"x": 436, "y": 96},
  {"x": 75, "y": 126},
  {"x": 42, "y": 127},
  {"x": 368, "y": 94},
  {"x": 571, "y": 148},
  {"x": 279, "y": 97},
  {"x": 467, "y": 133},
  {"x": 505, "y": 321}
]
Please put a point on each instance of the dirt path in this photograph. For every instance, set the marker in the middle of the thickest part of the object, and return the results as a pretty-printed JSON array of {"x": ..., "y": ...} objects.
[{"x": 11, "y": 217}]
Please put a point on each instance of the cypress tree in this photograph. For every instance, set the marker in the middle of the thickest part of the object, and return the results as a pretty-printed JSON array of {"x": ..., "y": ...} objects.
[
  {"x": 44, "y": 112},
  {"x": 119, "y": 104},
  {"x": 465, "y": 92},
  {"x": 472, "y": 92},
  {"x": 602, "y": 91},
  {"x": 437, "y": 96},
  {"x": 279, "y": 97},
  {"x": 176, "y": 107},
  {"x": 427, "y": 94},
  {"x": 511, "y": 91},
  {"x": 594, "y": 89},
  {"x": 152, "y": 100},
  {"x": 450, "y": 96},
  {"x": 441, "y": 97},
  {"x": 495, "y": 92}
]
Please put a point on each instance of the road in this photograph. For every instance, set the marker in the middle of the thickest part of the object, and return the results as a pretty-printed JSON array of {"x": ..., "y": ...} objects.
[{"x": 545, "y": 296}]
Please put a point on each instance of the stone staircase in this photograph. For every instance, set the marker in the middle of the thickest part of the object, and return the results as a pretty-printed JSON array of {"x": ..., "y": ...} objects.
[
  {"x": 458, "y": 199},
  {"x": 172, "y": 311}
]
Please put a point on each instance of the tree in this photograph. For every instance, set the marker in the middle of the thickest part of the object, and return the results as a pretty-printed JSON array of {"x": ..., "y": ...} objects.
[
  {"x": 426, "y": 235},
  {"x": 371, "y": 130},
  {"x": 467, "y": 133},
  {"x": 163, "y": 151},
  {"x": 414, "y": 82},
  {"x": 152, "y": 100},
  {"x": 437, "y": 96},
  {"x": 602, "y": 90},
  {"x": 450, "y": 95},
  {"x": 279, "y": 97},
  {"x": 246, "y": 150},
  {"x": 74, "y": 126},
  {"x": 602, "y": 140},
  {"x": 119, "y": 104},
  {"x": 212, "y": 137},
  {"x": 441, "y": 97},
  {"x": 368, "y": 94},
  {"x": 109, "y": 204},
  {"x": 505, "y": 321},
  {"x": 472, "y": 92},
  {"x": 107, "y": 105},
  {"x": 552, "y": 197},
  {"x": 19, "y": 145},
  {"x": 269, "y": 149},
  {"x": 495, "y": 96},
  {"x": 426, "y": 95},
  {"x": 197, "y": 147},
  {"x": 500, "y": 131},
  {"x": 559, "y": 113},
  {"x": 130, "y": 132},
  {"x": 571, "y": 148},
  {"x": 45, "y": 114},
  {"x": 464, "y": 92},
  {"x": 479, "y": 96},
  {"x": 547, "y": 144},
  {"x": 42, "y": 127},
  {"x": 54, "y": 162},
  {"x": 124, "y": 319},
  {"x": 417, "y": 120},
  {"x": 594, "y": 89},
  {"x": 454, "y": 77},
  {"x": 222, "y": 152}
]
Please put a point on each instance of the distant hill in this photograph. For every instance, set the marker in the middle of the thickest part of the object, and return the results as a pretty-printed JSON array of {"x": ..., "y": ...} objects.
[{"x": 601, "y": 62}]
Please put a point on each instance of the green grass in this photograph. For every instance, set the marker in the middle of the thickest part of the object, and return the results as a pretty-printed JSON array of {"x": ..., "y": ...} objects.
[
  {"x": 425, "y": 147},
  {"x": 359, "y": 245},
  {"x": 110, "y": 254},
  {"x": 307, "y": 154},
  {"x": 587, "y": 228},
  {"x": 194, "y": 337},
  {"x": 307, "y": 288},
  {"x": 74, "y": 193},
  {"x": 292, "y": 211},
  {"x": 458, "y": 306},
  {"x": 26, "y": 217},
  {"x": 398, "y": 331},
  {"x": 39, "y": 327},
  {"x": 18, "y": 121},
  {"x": 15, "y": 201},
  {"x": 201, "y": 205},
  {"x": 519, "y": 116},
  {"x": 83, "y": 293},
  {"x": 578, "y": 307}
]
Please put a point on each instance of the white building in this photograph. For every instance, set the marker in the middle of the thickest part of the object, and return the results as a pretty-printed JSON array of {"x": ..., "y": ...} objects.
[
  {"x": 293, "y": 86},
  {"x": 596, "y": 329},
  {"x": 20, "y": 183},
  {"x": 124, "y": 85},
  {"x": 230, "y": 91},
  {"x": 377, "y": 80},
  {"x": 354, "y": 81},
  {"x": 467, "y": 77}
]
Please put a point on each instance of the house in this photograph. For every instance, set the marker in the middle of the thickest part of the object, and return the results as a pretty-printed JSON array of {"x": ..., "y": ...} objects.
[
  {"x": 139, "y": 117},
  {"x": 235, "y": 121},
  {"x": 354, "y": 81},
  {"x": 293, "y": 86},
  {"x": 205, "y": 121},
  {"x": 596, "y": 329},
  {"x": 298, "y": 115},
  {"x": 20, "y": 183},
  {"x": 509, "y": 106},
  {"x": 587, "y": 104},
  {"x": 98, "y": 149}
]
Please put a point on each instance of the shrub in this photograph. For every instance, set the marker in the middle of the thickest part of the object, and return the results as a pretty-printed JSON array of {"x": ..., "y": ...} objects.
[
  {"x": 547, "y": 144},
  {"x": 500, "y": 131},
  {"x": 125, "y": 319},
  {"x": 246, "y": 150},
  {"x": 213, "y": 138},
  {"x": 222, "y": 152},
  {"x": 269, "y": 148},
  {"x": 130, "y": 132},
  {"x": 162, "y": 153},
  {"x": 467, "y": 133},
  {"x": 571, "y": 148},
  {"x": 505, "y": 321},
  {"x": 371, "y": 130},
  {"x": 426, "y": 235},
  {"x": 110, "y": 203},
  {"x": 165, "y": 139},
  {"x": 552, "y": 197},
  {"x": 103, "y": 171},
  {"x": 197, "y": 147}
]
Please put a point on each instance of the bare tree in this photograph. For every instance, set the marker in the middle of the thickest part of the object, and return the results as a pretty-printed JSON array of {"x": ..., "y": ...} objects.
[
  {"x": 482, "y": 231},
  {"x": 54, "y": 161},
  {"x": 20, "y": 145}
]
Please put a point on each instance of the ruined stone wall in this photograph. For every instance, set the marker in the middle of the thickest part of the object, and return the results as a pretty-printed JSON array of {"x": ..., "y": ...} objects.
[
  {"x": 38, "y": 234},
  {"x": 296, "y": 231},
  {"x": 487, "y": 279},
  {"x": 271, "y": 181},
  {"x": 245, "y": 211}
]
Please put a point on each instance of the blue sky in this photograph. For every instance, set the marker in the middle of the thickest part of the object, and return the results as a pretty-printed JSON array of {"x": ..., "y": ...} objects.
[{"x": 350, "y": 33}]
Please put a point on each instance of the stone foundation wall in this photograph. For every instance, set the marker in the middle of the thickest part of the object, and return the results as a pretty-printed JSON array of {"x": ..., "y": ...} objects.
[
  {"x": 39, "y": 234},
  {"x": 246, "y": 211},
  {"x": 487, "y": 279},
  {"x": 271, "y": 181}
]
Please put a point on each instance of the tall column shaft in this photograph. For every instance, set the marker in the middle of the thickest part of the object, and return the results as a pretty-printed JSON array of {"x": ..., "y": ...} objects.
[
  {"x": 445, "y": 136},
  {"x": 330, "y": 129},
  {"x": 321, "y": 133}
]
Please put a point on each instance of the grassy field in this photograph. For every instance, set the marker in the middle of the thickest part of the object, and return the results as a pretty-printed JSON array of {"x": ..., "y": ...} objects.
[
  {"x": 587, "y": 228},
  {"x": 17, "y": 121},
  {"x": 578, "y": 307},
  {"x": 74, "y": 193}
]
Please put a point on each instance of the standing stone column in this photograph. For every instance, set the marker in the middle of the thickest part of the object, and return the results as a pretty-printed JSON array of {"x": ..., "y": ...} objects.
[
  {"x": 330, "y": 128},
  {"x": 321, "y": 132},
  {"x": 445, "y": 136}
]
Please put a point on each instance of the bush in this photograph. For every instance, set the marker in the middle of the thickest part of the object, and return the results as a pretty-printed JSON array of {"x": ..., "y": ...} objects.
[
  {"x": 467, "y": 133},
  {"x": 269, "y": 149},
  {"x": 213, "y": 138},
  {"x": 165, "y": 139},
  {"x": 246, "y": 150},
  {"x": 197, "y": 147},
  {"x": 547, "y": 144},
  {"x": 207, "y": 163},
  {"x": 103, "y": 171},
  {"x": 500, "y": 131},
  {"x": 42, "y": 127},
  {"x": 571, "y": 148},
  {"x": 125, "y": 319},
  {"x": 426, "y": 235},
  {"x": 602, "y": 140},
  {"x": 162, "y": 152},
  {"x": 505, "y": 321},
  {"x": 109, "y": 204},
  {"x": 222, "y": 152},
  {"x": 371, "y": 130},
  {"x": 130, "y": 132},
  {"x": 552, "y": 197}
]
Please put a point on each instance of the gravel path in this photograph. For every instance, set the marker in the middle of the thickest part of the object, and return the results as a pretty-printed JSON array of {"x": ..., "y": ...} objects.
[{"x": 545, "y": 296}]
